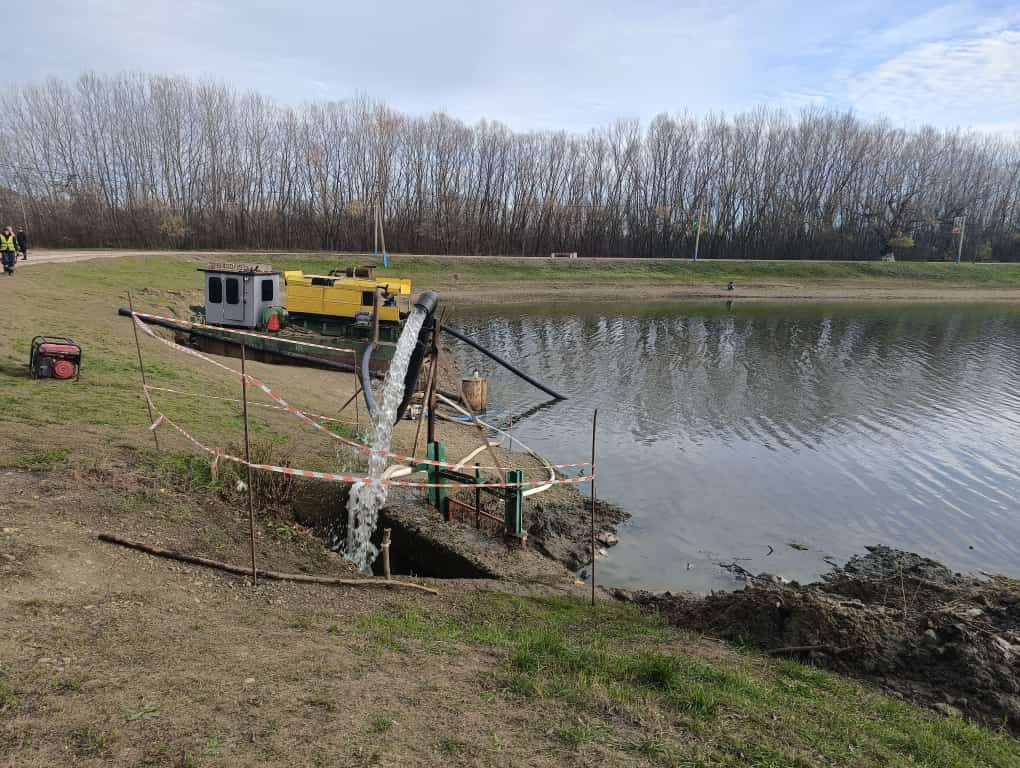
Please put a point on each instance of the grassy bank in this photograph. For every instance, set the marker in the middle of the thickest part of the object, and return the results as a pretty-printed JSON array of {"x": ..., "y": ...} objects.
[
  {"x": 467, "y": 277},
  {"x": 684, "y": 272}
]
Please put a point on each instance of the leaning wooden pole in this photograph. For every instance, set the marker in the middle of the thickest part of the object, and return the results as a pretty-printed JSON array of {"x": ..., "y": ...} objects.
[
  {"x": 141, "y": 367},
  {"x": 247, "y": 459},
  {"x": 273, "y": 575},
  {"x": 594, "y": 421}
]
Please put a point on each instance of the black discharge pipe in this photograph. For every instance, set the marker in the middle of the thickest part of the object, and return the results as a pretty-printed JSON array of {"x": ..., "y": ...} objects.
[
  {"x": 493, "y": 356},
  {"x": 427, "y": 303}
]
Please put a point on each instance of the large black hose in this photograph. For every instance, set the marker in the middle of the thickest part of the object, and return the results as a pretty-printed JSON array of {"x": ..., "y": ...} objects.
[
  {"x": 493, "y": 356},
  {"x": 366, "y": 377},
  {"x": 426, "y": 302}
]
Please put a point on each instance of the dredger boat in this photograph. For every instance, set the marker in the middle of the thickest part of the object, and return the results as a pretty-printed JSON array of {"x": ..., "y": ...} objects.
[{"x": 348, "y": 319}]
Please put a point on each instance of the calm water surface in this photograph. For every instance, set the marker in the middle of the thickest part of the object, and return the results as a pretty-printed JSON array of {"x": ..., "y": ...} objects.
[{"x": 730, "y": 431}]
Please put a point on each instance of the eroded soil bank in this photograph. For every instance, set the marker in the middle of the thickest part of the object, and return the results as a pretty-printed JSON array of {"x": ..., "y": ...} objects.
[{"x": 892, "y": 618}]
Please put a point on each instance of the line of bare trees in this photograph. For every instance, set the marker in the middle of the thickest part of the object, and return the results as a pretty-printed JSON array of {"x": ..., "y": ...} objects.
[{"x": 151, "y": 161}]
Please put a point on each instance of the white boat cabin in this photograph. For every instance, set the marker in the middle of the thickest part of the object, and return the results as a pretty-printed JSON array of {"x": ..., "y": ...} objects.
[{"x": 238, "y": 294}]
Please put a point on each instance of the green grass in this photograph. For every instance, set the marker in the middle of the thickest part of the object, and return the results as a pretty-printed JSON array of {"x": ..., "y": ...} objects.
[
  {"x": 440, "y": 271},
  {"x": 145, "y": 712},
  {"x": 71, "y": 683},
  {"x": 89, "y": 741},
  {"x": 48, "y": 458},
  {"x": 9, "y": 698},
  {"x": 380, "y": 725},
  {"x": 741, "y": 709}
]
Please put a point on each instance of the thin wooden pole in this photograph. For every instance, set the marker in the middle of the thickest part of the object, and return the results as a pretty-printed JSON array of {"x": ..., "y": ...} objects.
[
  {"x": 430, "y": 383},
  {"x": 478, "y": 500},
  {"x": 239, "y": 570},
  {"x": 141, "y": 367},
  {"x": 510, "y": 427},
  {"x": 594, "y": 422},
  {"x": 247, "y": 458},
  {"x": 357, "y": 391}
]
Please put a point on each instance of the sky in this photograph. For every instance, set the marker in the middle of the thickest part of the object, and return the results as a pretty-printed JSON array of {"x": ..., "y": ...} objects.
[{"x": 554, "y": 64}]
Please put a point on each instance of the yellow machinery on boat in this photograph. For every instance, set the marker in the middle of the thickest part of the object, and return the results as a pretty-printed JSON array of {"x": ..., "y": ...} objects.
[{"x": 347, "y": 295}]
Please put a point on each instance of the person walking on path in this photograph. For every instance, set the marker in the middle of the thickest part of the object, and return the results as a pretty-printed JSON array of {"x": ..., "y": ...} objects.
[
  {"x": 22, "y": 239},
  {"x": 8, "y": 250}
]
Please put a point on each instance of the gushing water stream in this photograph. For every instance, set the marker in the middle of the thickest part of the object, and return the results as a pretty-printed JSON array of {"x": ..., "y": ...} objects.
[{"x": 366, "y": 500}]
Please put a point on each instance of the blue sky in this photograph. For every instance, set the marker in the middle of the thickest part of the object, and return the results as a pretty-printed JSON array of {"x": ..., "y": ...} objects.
[{"x": 571, "y": 64}]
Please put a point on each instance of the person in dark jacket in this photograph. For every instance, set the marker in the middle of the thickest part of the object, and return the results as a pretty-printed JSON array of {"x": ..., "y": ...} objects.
[
  {"x": 22, "y": 239},
  {"x": 8, "y": 250}
]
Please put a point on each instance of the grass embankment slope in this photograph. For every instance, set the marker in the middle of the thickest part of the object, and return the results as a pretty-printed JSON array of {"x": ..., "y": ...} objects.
[
  {"x": 520, "y": 280},
  {"x": 112, "y": 657}
]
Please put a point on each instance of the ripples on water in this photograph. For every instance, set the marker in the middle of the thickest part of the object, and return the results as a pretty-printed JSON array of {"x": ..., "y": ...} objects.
[{"x": 727, "y": 431}]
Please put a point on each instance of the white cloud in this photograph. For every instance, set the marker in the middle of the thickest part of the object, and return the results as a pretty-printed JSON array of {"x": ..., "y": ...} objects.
[{"x": 970, "y": 82}]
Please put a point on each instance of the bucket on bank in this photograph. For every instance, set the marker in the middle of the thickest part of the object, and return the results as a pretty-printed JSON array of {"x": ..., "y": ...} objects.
[{"x": 475, "y": 392}]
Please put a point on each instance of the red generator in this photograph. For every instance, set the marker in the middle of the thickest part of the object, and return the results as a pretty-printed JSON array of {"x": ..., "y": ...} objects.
[{"x": 55, "y": 357}]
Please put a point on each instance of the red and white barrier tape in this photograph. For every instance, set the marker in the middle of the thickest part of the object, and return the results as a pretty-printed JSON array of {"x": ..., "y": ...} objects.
[
  {"x": 251, "y": 334},
  {"x": 341, "y": 478},
  {"x": 283, "y": 405},
  {"x": 238, "y": 401}
]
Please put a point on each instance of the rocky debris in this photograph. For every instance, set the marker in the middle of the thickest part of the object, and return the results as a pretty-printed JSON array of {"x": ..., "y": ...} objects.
[{"x": 901, "y": 621}]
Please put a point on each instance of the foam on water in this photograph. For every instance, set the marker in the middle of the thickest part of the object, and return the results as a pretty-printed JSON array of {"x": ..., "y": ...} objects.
[{"x": 366, "y": 500}]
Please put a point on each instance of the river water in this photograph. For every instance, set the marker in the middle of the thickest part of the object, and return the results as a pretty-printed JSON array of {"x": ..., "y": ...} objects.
[{"x": 775, "y": 436}]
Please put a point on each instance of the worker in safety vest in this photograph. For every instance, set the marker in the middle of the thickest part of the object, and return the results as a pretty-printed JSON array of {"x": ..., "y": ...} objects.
[{"x": 8, "y": 250}]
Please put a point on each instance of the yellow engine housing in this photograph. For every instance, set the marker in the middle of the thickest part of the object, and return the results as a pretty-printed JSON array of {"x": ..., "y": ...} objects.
[{"x": 340, "y": 296}]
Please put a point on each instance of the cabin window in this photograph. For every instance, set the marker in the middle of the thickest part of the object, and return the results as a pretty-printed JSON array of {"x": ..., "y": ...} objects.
[
  {"x": 367, "y": 299},
  {"x": 215, "y": 290},
  {"x": 233, "y": 294},
  {"x": 267, "y": 290},
  {"x": 322, "y": 281}
]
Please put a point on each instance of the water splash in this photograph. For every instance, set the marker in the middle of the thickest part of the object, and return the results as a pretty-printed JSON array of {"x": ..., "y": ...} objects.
[{"x": 366, "y": 500}]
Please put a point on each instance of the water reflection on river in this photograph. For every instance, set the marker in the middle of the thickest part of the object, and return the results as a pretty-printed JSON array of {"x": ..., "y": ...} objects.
[{"x": 730, "y": 431}]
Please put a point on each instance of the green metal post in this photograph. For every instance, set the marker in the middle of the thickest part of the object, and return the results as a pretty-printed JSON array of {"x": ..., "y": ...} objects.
[
  {"x": 437, "y": 496},
  {"x": 513, "y": 517}
]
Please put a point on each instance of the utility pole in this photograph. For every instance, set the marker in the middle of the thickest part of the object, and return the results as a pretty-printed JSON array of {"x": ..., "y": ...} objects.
[
  {"x": 960, "y": 223},
  {"x": 697, "y": 240}
]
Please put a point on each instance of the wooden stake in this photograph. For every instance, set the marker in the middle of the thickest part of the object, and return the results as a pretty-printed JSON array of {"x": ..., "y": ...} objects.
[
  {"x": 141, "y": 367},
  {"x": 247, "y": 458},
  {"x": 386, "y": 552},
  {"x": 594, "y": 421}
]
